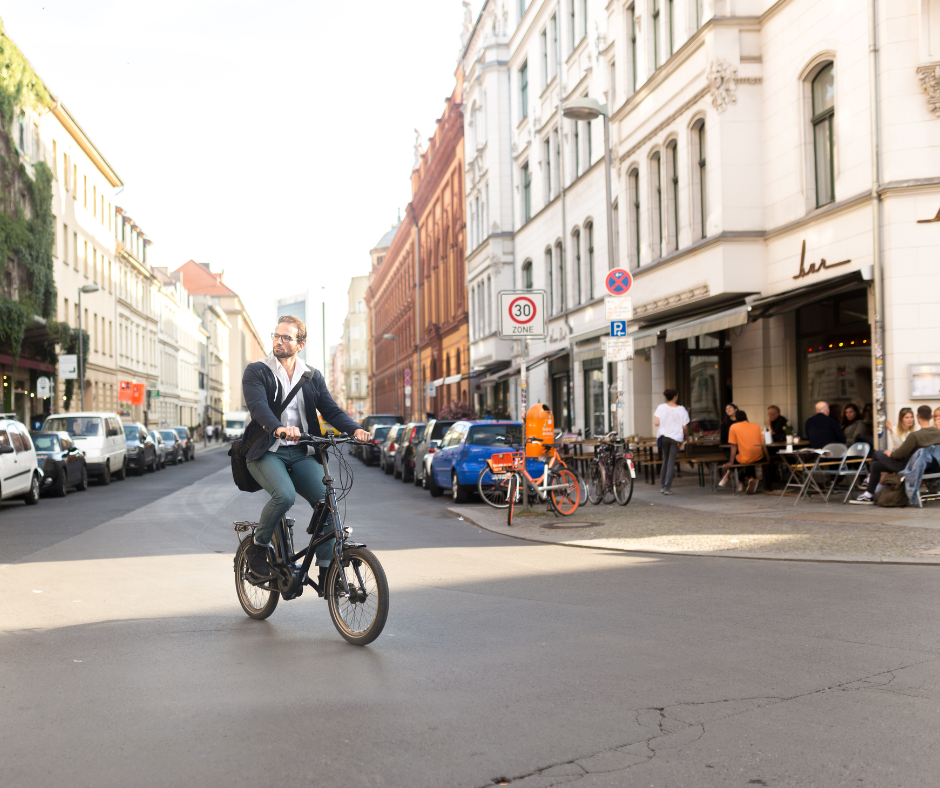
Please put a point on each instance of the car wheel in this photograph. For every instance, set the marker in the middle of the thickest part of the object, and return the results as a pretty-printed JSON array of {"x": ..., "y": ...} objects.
[
  {"x": 105, "y": 477},
  {"x": 83, "y": 482},
  {"x": 436, "y": 492},
  {"x": 389, "y": 467},
  {"x": 61, "y": 487},
  {"x": 457, "y": 491},
  {"x": 398, "y": 474},
  {"x": 32, "y": 497},
  {"x": 153, "y": 464},
  {"x": 416, "y": 478}
]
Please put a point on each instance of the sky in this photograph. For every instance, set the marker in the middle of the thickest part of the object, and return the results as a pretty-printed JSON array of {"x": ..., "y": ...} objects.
[{"x": 274, "y": 141}]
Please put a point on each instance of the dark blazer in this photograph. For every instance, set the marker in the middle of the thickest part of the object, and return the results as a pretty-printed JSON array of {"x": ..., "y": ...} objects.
[
  {"x": 263, "y": 391},
  {"x": 822, "y": 430}
]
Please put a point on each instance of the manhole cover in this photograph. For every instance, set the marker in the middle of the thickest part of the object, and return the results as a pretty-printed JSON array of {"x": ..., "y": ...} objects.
[{"x": 568, "y": 525}]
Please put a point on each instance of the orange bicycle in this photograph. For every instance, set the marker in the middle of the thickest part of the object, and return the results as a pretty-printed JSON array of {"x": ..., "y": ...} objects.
[{"x": 501, "y": 479}]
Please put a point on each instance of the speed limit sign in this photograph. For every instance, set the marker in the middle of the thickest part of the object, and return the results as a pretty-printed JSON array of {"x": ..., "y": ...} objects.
[{"x": 521, "y": 314}]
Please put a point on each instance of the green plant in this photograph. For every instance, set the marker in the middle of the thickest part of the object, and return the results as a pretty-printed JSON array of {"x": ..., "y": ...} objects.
[{"x": 456, "y": 410}]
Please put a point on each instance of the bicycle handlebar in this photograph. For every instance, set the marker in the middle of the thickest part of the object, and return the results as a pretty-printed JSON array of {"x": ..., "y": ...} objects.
[{"x": 332, "y": 440}]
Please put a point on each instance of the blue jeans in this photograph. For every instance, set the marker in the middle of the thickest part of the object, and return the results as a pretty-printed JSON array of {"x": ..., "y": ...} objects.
[{"x": 283, "y": 474}]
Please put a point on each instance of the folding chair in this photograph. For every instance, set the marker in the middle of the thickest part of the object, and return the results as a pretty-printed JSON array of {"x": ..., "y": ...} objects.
[
  {"x": 833, "y": 464},
  {"x": 857, "y": 453}
]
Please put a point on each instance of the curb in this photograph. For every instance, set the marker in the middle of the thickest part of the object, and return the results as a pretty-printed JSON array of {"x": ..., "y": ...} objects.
[{"x": 834, "y": 559}]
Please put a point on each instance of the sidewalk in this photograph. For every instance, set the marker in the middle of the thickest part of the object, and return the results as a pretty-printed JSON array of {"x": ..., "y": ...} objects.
[
  {"x": 211, "y": 447},
  {"x": 696, "y": 521}
]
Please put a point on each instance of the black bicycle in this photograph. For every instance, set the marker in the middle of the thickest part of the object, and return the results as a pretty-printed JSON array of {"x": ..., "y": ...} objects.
[
  {"x": 355, "y": 587},
  {"x": 611, "y": 471}
]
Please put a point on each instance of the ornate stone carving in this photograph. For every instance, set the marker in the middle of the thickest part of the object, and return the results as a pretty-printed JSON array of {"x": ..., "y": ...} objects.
[
  {"x": 676, "y": 299},
  {"x": 722, "y": 84},
  {"x": 929, "y": 77},
  {"x": 467, "y": 24},
  {"x": 419, "y": 149}
]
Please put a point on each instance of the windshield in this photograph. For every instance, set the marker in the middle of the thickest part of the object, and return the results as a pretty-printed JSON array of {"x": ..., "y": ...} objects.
[
  {"x": 46, "y": 442},
  {"x": 168, "y": 435},
  {"x": 77, "y": 426},
  {"x": 132, "y": 433},
  {"x": 181, "y": 431},
  {"x": 234, "y": 424},
  {"x": 381, "y": 432},
  {"x": 495, "y": 435}
]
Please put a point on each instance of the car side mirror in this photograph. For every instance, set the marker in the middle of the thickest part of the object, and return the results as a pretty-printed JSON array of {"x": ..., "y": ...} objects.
[
  {"x": 435, "y": 444},
  {"x": 6, "y": 449}
]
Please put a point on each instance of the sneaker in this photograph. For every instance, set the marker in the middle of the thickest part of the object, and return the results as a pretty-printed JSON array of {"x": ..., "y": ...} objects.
[
  {"x": 865, "y": 499},
  {"x": 257, "y": 560},
  {"x": 751, "y": 486},
  {"x": 667, "y": 492},
  {"x": 724, "y": 481}
]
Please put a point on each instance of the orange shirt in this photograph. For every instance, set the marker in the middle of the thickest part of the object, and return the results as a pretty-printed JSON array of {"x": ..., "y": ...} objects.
[{"x": 749, "y": 439}]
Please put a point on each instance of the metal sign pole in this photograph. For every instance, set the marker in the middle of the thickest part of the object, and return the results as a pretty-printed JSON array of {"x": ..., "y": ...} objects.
[
  {"x": 620, "y": 398},
  {"x": 523, "y": 398}
]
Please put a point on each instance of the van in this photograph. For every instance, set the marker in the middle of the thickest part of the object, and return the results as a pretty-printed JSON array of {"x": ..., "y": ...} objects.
[
  {"x": 235, "y": 422},
  {"x": 100, "y": 437}
]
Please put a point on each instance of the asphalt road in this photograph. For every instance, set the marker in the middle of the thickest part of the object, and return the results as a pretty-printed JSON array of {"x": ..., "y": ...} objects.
[{"x": 125, "y": 659}]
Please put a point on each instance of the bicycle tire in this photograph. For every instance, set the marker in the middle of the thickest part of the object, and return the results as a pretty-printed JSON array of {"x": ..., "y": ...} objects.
[
  {"x": 511, "y": 495},
  {"x": 494, "y": 491},
  {"x": 597, "y": 483},
  {"x": 257, "y": 602},
  {"x": 358, "y": 622},
  {"x": 623, "y": 482},
  {"x": 561, "y": 500}
]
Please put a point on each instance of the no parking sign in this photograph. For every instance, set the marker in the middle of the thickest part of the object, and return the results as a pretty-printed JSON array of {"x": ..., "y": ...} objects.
[{"x": 618, "y": 282}]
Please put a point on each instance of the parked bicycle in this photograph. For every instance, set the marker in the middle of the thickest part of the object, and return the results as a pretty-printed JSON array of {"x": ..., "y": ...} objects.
[
  {"x": 355, "y": 588},
  {"x": 501, "y": 479},
  {"x": 610, "y": 473}
]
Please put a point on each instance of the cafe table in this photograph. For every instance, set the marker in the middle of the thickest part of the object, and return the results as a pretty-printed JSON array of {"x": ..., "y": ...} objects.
[{"x": 802, "y": 476}]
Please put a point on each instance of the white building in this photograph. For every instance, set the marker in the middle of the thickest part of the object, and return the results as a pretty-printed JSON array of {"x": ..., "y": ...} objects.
[
  {"x": 355, "y": 355},
  {"x": 178, "y": 337}
]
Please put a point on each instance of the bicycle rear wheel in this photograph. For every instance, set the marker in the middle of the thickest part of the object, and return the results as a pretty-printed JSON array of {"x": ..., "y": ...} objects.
[
  {"x": 565, "y": 501},
  {"x": 512, "y": 490},
  {"x": 494, "y": 489},
  {"x": 623, "y": 482},
  {"x": 359, "y": 620},
  {"x": 257, "y": 601},
  {"x": 597, "y": 483}
]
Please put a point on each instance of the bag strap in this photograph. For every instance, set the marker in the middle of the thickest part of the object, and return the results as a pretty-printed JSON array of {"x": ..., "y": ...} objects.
[{"x": 279, "y": 409}]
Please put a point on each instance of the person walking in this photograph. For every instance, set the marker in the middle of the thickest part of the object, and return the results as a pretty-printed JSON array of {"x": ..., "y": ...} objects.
[{"x": 672, "y": 428}]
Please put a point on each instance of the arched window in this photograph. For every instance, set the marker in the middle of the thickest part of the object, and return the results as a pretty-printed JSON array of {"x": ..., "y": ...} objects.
[
  {"x": 633, "y": 184},
  {"x": 656, "y": 203},
  {"x": 562, "y": 283},
  {"x": 527, "y": 275},
  {"x": 550, "y": 281},
  {"x": 576, "y": 251},
  {"x": 699, "y": 182},
  {"x": 589, "y": 233},
  {"x": 672, "y": 196},
  {"x": 823, "y": 90}
]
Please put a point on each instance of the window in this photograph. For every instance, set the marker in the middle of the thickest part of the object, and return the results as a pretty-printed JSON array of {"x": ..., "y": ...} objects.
[
  {"x": 547, "y": 154},
  {"x": 527, "y": 275},
  {"x": 656, "y": 21},
  {"x": 85, "y": 191},
  {"x": 584, "y": 17},
  {"x": 633, "y": 181},
  {"x": 86, "y": 259},
  {"x": 521, "y": 9},
  {"x": 589, "y": 232},
  {"x": 550, "y": 280},
  {"x": 577, "y": 149},
  {"x": 95, "y": 334},
  {"x": 699, "y": 13},
  {"x": 65, "y": 244},
  {"x": 75, "y": 180},
  {"x": 543, "y": 38},
  {"x": 613, "y": 84},
  {"x": 571, "y": 42},
  {"x": 556, "y": 151},
  {"x": 526, "y": 193},
  {"x": 562, "y": 279},
  {"x": 102, "y": 209},
  {"x": 75, "y": 248},
  {"x": 656, "y": 202},
  {"x": 94, "y": 200},
  {"x": 576, "y": 250},
  {"x": 699, "y": 200},
  {"x": 553, "y": 39},
  {"x": 66, "y": 171},
  {"x": 589, "y": 158},
  {"x": 631, "y": 30},
  {"x": 823, "y": 90},
  {"x": 672, "y": 196},
  {"x": 66, "y": 310},
  {"x": 94, "y": 265},
  {"x": 524, "y": 90},
  {"x": 672, "y": 25}
]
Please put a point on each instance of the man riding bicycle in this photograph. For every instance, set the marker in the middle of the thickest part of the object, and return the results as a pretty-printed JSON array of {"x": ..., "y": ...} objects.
[{"x": 275, "y": 461}]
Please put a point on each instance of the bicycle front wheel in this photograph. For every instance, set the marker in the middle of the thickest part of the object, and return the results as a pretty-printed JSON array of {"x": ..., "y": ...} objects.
[
  {"x": 494, "y": 489},
  {"x": 623, "y": 482},
  {"x": 567, "y": 497},
  {"x": 597, "y": 483},
  {"x": 360, "y": 615},
  {"x": 257, "y": 601}
]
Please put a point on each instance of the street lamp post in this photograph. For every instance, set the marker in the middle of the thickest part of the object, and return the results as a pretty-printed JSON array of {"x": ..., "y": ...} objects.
[
  {"x": 392, "y": 336},
  {"x": 81, "y": 366},
  {"x": 590, "y": 109}
]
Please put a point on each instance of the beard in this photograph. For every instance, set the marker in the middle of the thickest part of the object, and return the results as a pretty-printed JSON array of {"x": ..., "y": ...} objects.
[{"x": 283, "y": 352}]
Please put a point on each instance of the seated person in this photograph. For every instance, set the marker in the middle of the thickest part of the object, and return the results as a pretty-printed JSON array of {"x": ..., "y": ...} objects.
[
  {"x": 777, "y": 425},
  {"x": 896, "y": 461},
  {"x": 852, "y": 424},
  {"x": 747, "y": 448},
  {"x": 822, "y": 429}
]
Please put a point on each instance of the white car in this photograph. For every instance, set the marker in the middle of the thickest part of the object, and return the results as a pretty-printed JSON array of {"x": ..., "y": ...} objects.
[
  {"x": 100, "y": 437},
  {"x": 20, "y": 474}
]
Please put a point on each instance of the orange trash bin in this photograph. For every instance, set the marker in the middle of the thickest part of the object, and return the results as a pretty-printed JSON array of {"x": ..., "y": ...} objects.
[{"x": 539, "y": 423}]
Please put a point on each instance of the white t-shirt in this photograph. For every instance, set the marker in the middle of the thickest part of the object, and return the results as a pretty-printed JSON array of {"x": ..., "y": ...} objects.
[{"x": 671, "y": 422}]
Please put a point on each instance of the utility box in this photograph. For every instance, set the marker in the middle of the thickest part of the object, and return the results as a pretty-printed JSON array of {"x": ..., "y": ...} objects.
[{"x": 539, "y": 423}]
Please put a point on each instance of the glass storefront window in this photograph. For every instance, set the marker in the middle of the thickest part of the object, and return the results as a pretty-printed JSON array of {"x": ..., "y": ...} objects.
[
  {"x": 704, "y": 378},
  {"x": 594, "y": 400}
]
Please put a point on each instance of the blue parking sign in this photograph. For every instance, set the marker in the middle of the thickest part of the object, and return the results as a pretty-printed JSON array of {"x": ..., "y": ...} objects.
[{"x": 618, "y": 328}]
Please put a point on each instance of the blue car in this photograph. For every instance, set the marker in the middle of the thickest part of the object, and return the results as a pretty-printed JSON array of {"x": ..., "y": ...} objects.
[{"x": 464, "y": 450}]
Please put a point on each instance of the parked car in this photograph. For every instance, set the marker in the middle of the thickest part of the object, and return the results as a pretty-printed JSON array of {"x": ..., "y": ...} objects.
[
  {"x": 61, "y": 462},
  {"x": 161, "y": 448},
  {"x": 174, "y": 446},
  {"x": 389, "y": 447},
  {"x": 371, "y": 453},
  {"x": 141, "y": 448},
  {"x": 99, "y": 436},
  {"x": 234, "y": 423},
  {"x": 464, "y": 450},
  {"x": 189, "y": 445},
  {"x": 370, "y": 421},
  {"x": 425, "y": 448},
  {"x": 403, "y": 467},
  {"x": 20, "y": 476}
]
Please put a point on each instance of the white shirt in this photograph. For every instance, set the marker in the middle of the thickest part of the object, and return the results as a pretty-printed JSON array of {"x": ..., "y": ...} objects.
[
  {"x": 671, "y": 422},
  {"x": 292, "y": 415}
]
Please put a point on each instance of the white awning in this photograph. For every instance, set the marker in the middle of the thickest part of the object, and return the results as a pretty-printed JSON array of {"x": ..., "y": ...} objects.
[
  {"x": 708, "y": 324},
  {"x": 452, "y": 379}
]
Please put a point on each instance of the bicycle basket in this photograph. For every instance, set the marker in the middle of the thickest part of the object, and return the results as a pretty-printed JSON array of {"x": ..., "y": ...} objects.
[{"x": 506, "y": 461}]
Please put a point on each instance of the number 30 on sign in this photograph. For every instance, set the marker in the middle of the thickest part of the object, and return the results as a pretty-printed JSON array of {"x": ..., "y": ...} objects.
[{"x": 521, "y": 314}]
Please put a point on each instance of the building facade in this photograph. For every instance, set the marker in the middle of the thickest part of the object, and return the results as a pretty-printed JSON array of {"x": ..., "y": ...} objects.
[
  {"x": 355, "y": 353},
  {"x": 311, "y": 309}
]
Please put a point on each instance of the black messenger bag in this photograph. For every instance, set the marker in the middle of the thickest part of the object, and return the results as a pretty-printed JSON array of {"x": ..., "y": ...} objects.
[{"x": 244, "y": 481}]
